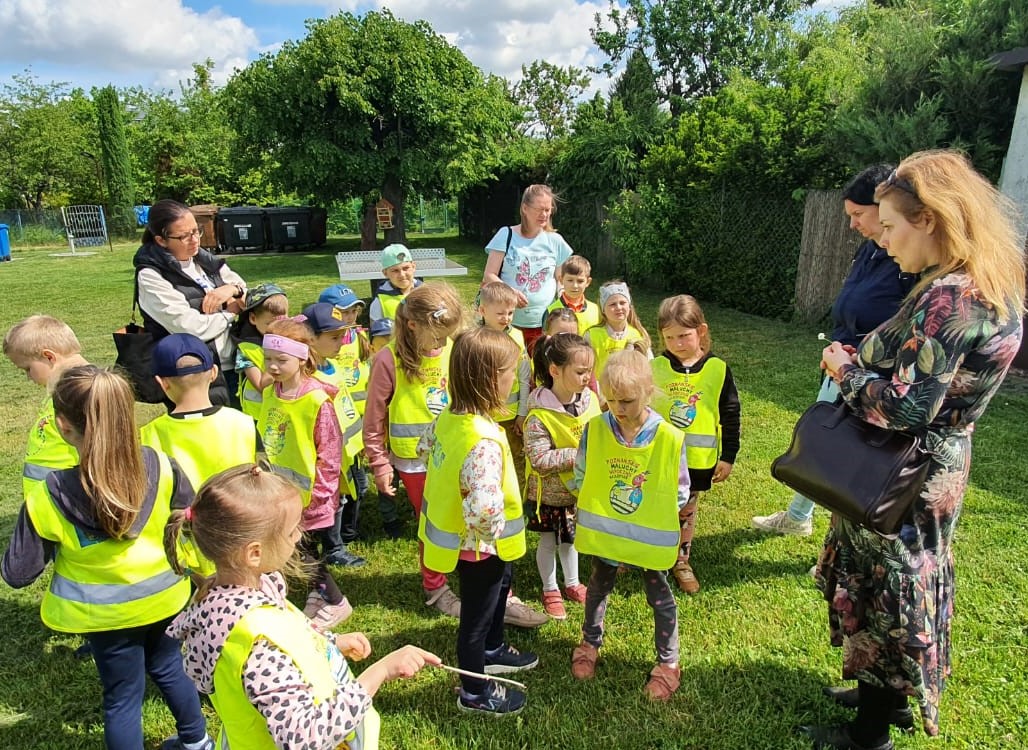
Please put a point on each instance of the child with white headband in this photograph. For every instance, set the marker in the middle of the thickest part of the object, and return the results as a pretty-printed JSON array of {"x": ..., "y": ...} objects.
[
  {"x": 304, "y": 443},
  {"x": 619, "y": 324}
]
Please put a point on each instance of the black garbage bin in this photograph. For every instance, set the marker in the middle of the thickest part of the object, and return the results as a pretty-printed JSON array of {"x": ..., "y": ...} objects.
[
  {"x": 289, "y": 227},
  {"x": 243, "y": 228}
]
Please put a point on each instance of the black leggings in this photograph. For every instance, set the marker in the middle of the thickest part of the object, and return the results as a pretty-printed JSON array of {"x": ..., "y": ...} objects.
[{"x": 483, "y": 602}]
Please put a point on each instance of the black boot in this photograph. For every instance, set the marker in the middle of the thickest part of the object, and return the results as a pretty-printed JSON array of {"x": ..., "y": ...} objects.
[
  {"x": 901, "y": 716},
  {"x": 348, "y": 528},
  {"x": 838, "y": 738}
]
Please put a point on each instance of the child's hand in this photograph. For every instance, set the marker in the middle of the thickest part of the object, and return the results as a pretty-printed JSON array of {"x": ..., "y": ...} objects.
[
  {"x": 354, "y": 646},
  {"x": 722, "y": 470},
  {"x": 407, "y": 661},
  {"x": 384, "y": 483},
  {"x": 519, "y": 425}
]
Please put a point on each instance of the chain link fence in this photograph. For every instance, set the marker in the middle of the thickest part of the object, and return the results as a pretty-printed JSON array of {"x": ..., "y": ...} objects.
[{"x": 45, "y": 227}]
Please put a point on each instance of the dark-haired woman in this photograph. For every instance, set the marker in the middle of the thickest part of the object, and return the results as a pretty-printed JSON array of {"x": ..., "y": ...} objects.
[{"x": 181, "y": 288}]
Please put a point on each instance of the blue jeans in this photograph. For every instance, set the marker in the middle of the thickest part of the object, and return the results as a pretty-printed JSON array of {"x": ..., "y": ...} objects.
[
  {"x": 801, "y": 509},
  {"x": 124, "y": 658}
]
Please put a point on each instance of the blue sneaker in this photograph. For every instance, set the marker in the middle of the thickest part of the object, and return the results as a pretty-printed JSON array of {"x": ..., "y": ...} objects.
[
  {"x": 507, "y": 659},
  {"x": 496, "y": 701},
  {"x": 174, "y": 743}
]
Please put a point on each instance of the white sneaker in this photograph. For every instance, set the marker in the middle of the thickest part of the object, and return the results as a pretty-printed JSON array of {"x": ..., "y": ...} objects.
[{"x": 780, "y": 523}]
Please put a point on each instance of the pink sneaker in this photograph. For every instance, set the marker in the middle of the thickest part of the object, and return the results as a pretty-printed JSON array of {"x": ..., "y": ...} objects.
[
  {"x": 553, "y": 604},
  {"x": 575, "y": 593}
]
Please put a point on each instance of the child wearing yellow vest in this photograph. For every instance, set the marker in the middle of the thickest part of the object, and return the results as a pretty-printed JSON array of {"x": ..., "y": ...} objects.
[
  {"x": 274, "y": 679},
  {"x": 574, "y": 276},
  {"x": 471, "y": 518},
  {"x": 632, "y": 479},
  {"x": 696, "y": 393},
  {"x": 102, "y": 524},
  {"x": 558, "y": 412},
  {"x": 406, "y": 391},
  {"x": 43, "y": 347},
  {"x": 355, "y": 363},
  {"x": 261, "y": 305},
  {"x": 619, "y": 324},
  {"x": 303, "y": 440},
  {"x": 399, "y": 268},
  {"x": 204, "y": 439},
  {"x": 329, "y": 325}
]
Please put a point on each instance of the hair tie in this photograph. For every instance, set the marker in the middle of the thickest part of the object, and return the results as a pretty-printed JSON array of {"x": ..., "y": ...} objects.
[
  {"x": 255, "y": 470},
  {"x": 188, "y": 513}
]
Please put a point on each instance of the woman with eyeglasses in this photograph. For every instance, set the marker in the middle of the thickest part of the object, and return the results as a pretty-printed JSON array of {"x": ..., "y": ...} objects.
[
  {"x": 182, "y": 288},
  {"x": 526, "y": 256},
  {"x": 932, "y": 370}
]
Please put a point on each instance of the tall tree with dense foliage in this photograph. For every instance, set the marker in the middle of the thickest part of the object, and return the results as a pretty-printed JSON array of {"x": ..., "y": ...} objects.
[
  {"x": 694, "y": 46},
  {"x": 371, "y": 105},
  {"x": 114, "y": 156},
  {"x": 548, "y": 94}
]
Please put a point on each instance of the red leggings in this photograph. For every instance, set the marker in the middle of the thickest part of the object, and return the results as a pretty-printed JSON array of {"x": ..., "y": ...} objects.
[{"x": 415, "y": 486}]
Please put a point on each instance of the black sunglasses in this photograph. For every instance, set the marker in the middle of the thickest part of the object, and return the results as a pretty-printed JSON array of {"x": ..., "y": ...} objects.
[{"x": 894, "y": 180}]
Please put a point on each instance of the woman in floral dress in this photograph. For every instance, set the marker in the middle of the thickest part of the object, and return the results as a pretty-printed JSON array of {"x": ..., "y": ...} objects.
[{"x": 932, "y": 369}]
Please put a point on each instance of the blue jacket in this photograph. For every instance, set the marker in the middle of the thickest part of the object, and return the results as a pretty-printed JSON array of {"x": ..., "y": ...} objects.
[{"x": 870, "y": 295}]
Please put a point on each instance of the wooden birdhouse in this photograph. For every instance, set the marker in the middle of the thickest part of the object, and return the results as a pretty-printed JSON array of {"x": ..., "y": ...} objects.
[{"x": 384, "y": 214}]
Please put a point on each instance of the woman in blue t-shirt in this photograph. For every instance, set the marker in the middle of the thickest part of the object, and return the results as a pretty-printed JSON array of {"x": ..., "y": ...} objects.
[{"x": 525, "y": 257}]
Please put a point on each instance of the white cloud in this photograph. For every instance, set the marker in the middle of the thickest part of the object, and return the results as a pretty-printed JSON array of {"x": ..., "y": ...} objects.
[{"x": 156, "y": 39}]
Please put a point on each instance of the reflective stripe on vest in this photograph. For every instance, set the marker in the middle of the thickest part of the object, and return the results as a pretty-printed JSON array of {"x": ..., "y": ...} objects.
[
  {"x": 628, "y": 502},
  {"x": 249, "y": 397},
  {"x": 290, "y": 632},
  {"x": 415, "y": 404},
  {"x": 109, "y": 584},
  {"x": 690, "y": 402},
  {"x": 36, "y": 472},
  {"x": 286, "y": 427},
  {"x": 350, "y": 420},
  {"x": 509, "y": 410},
  {"x": 441, "y": 524},
  {"x": 604, "y": 344},
  {"x": 45, "y": 450}
]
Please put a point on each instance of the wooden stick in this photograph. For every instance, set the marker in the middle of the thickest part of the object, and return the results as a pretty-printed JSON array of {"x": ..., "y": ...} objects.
[{"x": 466, "y": 673}]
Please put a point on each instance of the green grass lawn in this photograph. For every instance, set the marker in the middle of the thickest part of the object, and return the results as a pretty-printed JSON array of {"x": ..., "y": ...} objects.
[{"x": 754, "y": 641}]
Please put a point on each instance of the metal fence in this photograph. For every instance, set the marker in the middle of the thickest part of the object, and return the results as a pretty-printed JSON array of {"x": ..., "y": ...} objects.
[{"x": 31, "y": 227}]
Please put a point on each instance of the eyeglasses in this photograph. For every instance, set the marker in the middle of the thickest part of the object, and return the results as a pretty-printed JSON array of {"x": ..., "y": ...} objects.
[
  {"x": 196, "y": 233},
  {"x": 540, "y": 211},
  {"x": 894, "y": 180}
]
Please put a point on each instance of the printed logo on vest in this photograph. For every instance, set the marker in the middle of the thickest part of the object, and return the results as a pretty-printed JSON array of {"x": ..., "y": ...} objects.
[
  {"x": 626, "y": 493},
  {"x": 683, "y": 413},
  {"x": 436, "y": 399},
  {"x": 274, "y": 437}
]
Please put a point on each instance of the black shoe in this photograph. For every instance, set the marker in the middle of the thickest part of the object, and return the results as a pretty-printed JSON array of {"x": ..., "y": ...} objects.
[
  {"x": 507, "y": 659},
  {"x": 393, "y": 529},
  {"x": 85, "y": 651},
  {"x": 345, "y": 559},
  {"x": 901, "y": 717},
  {"x": 838, "y": 738},
  {"x": 495, "y": 700}
]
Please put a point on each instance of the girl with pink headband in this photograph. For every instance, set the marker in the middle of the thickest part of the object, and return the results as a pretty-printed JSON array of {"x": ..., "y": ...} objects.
[{"x": 304, "y": 444}]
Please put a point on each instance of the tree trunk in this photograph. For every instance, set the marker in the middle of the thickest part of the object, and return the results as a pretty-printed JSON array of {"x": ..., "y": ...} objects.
[
  {"x": 826, "y": 254},
  {"x": 608, "y": 260},
  {"x": 369, "y": 225}
]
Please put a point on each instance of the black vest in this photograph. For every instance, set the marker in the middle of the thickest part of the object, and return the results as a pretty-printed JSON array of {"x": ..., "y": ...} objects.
[{"x": 152, "y": 255}]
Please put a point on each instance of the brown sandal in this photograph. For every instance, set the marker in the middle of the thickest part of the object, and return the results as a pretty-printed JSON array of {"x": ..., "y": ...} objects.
[
  {"x": 583, "y": 661},
  {"x": 663, "y": 682}
]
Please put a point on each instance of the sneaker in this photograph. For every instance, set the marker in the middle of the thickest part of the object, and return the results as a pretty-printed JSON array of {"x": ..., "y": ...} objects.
[
  {"x": 780, "y": 523},
  {"x": 553, "y": 604},
  {"x": 174, "y": 743},
  {"x": 323, "y": 615},
  {"x": 583, "y": 661},
  {"x": 444, "y": 600},
  {"x": 575, "y": 593},
  {"x": 344, "y": 558},
  {"x": 663, "y": 682},
  {"x": 685, "y": 578},
  {"x": 521, "y": 615},
  {"x": 507, "y": 659},
  {"x": 496, "y": 700}
]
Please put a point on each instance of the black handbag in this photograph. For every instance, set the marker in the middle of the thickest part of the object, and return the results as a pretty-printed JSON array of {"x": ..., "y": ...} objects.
[
  {"x": 865, "y": 473},
  {"x": 135, "y": 348}
]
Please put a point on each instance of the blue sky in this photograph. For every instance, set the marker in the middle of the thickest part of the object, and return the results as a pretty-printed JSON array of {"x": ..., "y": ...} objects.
[{"x": 154, "y": 43}]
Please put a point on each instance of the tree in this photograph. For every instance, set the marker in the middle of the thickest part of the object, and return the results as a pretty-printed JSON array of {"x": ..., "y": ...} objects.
[
  {"x": 44, "y": 131},
  {"x": 548, "y": 93},
  {"x": 371, "y": 106},
  {"x": 694, "y": 44},
  {"x": 114, "y": 155}
]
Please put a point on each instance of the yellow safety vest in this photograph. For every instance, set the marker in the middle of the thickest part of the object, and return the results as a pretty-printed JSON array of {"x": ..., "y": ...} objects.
[
  {"x": 690, "y": 403},
  {"x": 355, "y": 370},
  {"x": 242, "y": 726},
  {"x": 350, "y": 420},
  {"x": 389, "y": 303},
  {"x": 587, "y": 318},
  {"x": 45, "y": 451},
  {"x": 286, "y": 427},
  {"x": 509, "y": 410},
  {"x": 604, "y": 344},
  {"x": 565, "y": 432},
  {"x": 628, "y": 502},
  {"x": 441, "y": 525},
  {"x": 204, "y": 445},
  {"x": 109, "y": 584},
  {"x": 416, "y": 403},
  {"x": 249, "y": 397}
]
